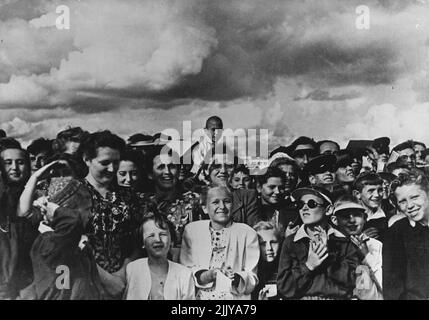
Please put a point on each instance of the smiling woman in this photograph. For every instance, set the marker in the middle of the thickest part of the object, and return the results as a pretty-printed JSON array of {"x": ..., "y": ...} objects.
[
  {"x": 114, "y": 214},
  {"x": 130, "y": 171}
]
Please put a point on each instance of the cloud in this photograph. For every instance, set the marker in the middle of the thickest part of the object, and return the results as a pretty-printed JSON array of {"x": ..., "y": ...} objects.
[
  {"x": 218, "y": 51},
  {"x": 322, "y": 95}
]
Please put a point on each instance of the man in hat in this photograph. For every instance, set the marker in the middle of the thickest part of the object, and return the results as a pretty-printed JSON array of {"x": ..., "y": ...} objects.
[
  {"x": 140, "y": 142},
  {"x": 378, "y": 153},
  {"x": 350, "y": 218},
  {"x": 344, "y": 176},
  {"x": 404, "y": 154},
  {"x": 419, "y": 148},
  {"x": 321, "y": 171}
]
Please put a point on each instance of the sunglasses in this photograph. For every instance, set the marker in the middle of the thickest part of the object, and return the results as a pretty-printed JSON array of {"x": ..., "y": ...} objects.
[
  {"x": 306, "y": 152},
  {"x": 311, "y": 204},
  {"x": 324, "y": 169}
]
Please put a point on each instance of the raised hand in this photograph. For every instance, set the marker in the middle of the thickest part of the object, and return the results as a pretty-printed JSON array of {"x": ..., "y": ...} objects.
[
  {"x": 362, "y": 246},
  {"x": 321, "y": 235},
  {"x": 317, "y": 253},
  {"x": 290, "y": 229},
  {"x": 262, "y": 295},
  {"x": 39, "y": 173},
  {"x": 372, "y": 232},
  {"x": 46, "y": 208}
]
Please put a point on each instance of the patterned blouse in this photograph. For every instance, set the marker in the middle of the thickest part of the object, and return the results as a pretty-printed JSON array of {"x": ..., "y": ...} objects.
[
  {"x": 112, "y": 227},
  {"x": 219, "y": 241}
]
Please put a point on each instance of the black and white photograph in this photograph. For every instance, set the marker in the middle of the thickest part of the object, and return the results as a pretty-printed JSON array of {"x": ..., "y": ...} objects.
[{"x": 236, "y": 151}]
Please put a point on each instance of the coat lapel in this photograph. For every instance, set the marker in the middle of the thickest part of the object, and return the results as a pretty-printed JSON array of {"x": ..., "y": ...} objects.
[{"x": 147, "y": 281}]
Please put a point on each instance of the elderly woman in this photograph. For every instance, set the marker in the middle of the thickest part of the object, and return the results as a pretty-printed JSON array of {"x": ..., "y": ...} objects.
[
  {"x": 156, "y": 277},
  {"x": 223, "y": 255},
  {"x": 318, "y": 262}
]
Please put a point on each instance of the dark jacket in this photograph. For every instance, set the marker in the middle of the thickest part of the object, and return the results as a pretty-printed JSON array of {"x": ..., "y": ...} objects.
[
  {"x": 406, "y": 262},
  {"x": 267, "y": 274},
  {"x": 380, "y": 224},
  {"x": 59, "y": 248},
  {"x": 335, "y": 278},
  {"x": 288, "y": 212},
  {"x": 245, "y": 206},
  {"x": 16, "y": 238},
  {"x": 8, "y": 261}
]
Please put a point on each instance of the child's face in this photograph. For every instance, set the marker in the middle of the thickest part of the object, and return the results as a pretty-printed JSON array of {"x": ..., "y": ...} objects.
[
  {"x": 315, "y": 213},
  {"x": 371, "y": 196},
  {"x": 413, "y": 201},
  {"x": 268, "y": 244},
  {"x": 351, "y": 221},
  {"x": 156, "y": 240},
  {"x": 240, "y": 180},
  {"x": 272, "y": 192}
]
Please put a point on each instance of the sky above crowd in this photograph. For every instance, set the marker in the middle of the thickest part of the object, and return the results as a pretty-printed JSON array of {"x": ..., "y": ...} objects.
[{"x": 294, "y": 67}]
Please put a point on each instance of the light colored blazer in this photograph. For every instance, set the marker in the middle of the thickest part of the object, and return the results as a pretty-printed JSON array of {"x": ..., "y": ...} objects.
[
  {"x": 242, "y": 254},
  {"x": 179, "y": 284}
]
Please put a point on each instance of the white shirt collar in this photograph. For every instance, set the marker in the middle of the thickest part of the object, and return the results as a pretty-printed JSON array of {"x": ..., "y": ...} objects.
[
  {"x": 376, "y": 215},
  {"x": 301, "y": 233}
]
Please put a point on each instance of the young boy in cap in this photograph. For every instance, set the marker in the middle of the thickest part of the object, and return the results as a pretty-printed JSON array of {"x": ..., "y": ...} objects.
[
  {"x": 350, "y": 218},
  {"x": 317, "y": 262}
]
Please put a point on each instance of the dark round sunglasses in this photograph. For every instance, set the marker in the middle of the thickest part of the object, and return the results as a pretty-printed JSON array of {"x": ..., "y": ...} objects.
[{"x": 311, "y": 204}]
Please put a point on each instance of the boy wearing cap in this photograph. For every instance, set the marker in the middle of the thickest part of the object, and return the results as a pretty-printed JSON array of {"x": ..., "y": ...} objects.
[
  {"x": 317, "y": 262},
  {"x": 350, "y": 218},
  {"x": 368, "y": 191}
]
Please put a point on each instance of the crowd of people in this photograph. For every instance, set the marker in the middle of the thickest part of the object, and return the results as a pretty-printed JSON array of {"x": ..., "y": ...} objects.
[{"x": 92, "y": 216}]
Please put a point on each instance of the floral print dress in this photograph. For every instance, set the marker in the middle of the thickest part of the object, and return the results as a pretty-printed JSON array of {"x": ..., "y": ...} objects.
[
  {"x": 219, "y": 241},
  {"x": 112, "y": 227}
]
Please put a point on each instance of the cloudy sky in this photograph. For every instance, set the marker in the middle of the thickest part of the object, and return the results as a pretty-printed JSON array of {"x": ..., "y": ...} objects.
[{"x": 295, "y": 67}]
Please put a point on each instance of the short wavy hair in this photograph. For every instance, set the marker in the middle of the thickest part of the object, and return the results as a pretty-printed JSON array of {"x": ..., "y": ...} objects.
[
  {"x": 100, "y": 139},
  {"x": 206, "y": 190},
  {"x": 272, "y": 172},
  {"x": 409, "y": 177},
  {"x": 76, "y": 134},
  {"x": 160, "y": 220},
  {"x": 366, "y": 179},
  {"x": 267, "y": 225}
]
